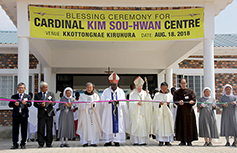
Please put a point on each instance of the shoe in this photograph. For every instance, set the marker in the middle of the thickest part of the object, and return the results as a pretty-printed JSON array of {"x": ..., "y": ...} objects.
[
  {"x": 234, "y": 144},
  {"x": 206, "y": 144},
  {"x": 153, "y": 136},
  {"x": 168, "y": 144},
  {"x": 40, "y": 146},
  {"x": 57, "y": 139},
  {"x": 108, "y": 144},
  {"x": 210, "y": 144},
  {"x": 23, "y": 147},
  {"x": 143, "y": 144},
  {"x": 49, "y": 146},
  {"x": 135, "y": 144},
  {"x": 160, "y": 143},
  {"x": 85, "y": 145},
  {"x": 14, "y": 147},
  {"x": 61, "y": 145},
  {"x": 189, "y": 143},
  {"x": 227, "y": 144},
  {"x": 66, "y": 145},
  {"x": 93, "y": 145},
  {"x": 116, "y": 144},
  {"x": 32, "y": 140},
  {"x": 73, "y": 139},
  {"x": 182, "y": 143}
]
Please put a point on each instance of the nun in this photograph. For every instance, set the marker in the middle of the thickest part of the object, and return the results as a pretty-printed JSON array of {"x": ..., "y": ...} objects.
[
  {"x": 228, "y": 117},
  {"x": 207, "y": 118},
  {"x": 66, "y": 119}
]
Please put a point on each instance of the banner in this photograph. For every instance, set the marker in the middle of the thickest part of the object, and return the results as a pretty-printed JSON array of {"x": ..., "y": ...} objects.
[{"x": 116, "y": 25}]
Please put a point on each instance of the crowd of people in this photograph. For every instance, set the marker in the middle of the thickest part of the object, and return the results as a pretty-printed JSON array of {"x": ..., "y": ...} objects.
[{"x": 168, "y": 116}]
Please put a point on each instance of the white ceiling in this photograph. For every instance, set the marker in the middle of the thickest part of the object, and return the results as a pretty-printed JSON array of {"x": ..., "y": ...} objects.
[{"x": 147, "y": 46}]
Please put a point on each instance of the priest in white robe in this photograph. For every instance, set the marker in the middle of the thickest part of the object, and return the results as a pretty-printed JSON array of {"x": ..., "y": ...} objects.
[
  {"x": 140, "y": 114},
  {"x": 115, "y": 115},
  {"x": 89, "y": 125},
  {"x": 163, "y": 120}
]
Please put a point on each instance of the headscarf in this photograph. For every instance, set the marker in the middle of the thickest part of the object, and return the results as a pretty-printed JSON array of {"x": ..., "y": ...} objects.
[
  {"x": 227, "y": 85},
  {"x": 206, "y": 88},
  {"x": 65, "y": 90}
]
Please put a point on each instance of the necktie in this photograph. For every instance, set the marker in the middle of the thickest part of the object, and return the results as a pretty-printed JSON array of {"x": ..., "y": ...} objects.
[
  {"x": 44, "y": 95},
  {"x": 20, "y": 104}
]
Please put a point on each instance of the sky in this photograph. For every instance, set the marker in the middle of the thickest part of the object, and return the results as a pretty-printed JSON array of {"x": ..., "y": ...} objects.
[{"x": 224, "y": 22}]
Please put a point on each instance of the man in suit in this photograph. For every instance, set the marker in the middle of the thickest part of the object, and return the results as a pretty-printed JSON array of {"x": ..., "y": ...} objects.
[
  {"x": 45, "y": 115},
  {"x": 20, "y": 115}
]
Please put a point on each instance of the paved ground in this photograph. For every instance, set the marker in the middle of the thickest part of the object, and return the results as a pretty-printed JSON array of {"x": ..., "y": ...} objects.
[{"x": 76, "y": 147}]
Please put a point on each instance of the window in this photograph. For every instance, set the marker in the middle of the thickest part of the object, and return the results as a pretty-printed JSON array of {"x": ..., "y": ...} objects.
[
  {"x": 195, "y": 82},
  {"x": 8, "y": 87}
]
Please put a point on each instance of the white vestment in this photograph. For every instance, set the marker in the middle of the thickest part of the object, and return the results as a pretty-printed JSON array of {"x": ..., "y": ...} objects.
[
  {"x": 163, "y": 120},
  {"x": 89, "y": 124},
  {"x": 140, "y": 117},
  {"x": 32, "y": 121},
  {"x": 114, "y": 124},
  {"x": 57, "y": 113}
]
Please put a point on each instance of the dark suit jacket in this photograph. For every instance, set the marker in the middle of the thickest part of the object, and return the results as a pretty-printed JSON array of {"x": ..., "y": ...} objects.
[
  {"x": 49, "y": 107},
  {"x": 24, "y": 108}
]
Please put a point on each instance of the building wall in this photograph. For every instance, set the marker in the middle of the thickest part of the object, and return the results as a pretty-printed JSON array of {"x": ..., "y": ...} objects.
[
  {"x": 198, "y": 64},
  {"x": 10, "y": 61},
  {"x": 221, "y": 79},
  {"x": 5, "y": 118}
]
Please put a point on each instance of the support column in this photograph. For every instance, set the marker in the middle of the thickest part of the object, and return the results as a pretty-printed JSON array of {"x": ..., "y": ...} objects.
[
  {"x": 209, "y": 69},
  {"x": 48, "y": 77},
  {"x": 208, "y": 47},
  {"x": 161, "y": 78},
  {"x": 169, "y": 77},
  {"x": 53, "y": 82},
  {"x": 23, "y": 61}
]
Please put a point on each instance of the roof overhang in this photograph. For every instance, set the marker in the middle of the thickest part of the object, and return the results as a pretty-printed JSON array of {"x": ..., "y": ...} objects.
[{"x": 10, "y": 6}]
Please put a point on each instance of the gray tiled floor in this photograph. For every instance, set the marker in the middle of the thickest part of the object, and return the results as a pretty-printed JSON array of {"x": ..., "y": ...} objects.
[{"x": 76, "y": 147}]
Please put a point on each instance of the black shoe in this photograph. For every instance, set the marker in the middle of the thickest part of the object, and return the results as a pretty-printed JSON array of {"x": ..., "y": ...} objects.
[
  {"x": 206, "y": 144},
  {"x": 210, "y": 144},
  {"x": 85, "y": 145},
  {"x": 14, "y": 147},
  {"x": 66, "y": 145},
  {"x": 227, "y": 144},
  {"x": 23, "y": 147},
  {"x": 135, "y": 144},
  {"x": 108, "y": 144},
  {"x": 49, "y": 146},
  {"x": 40, "y": 146},
  {"x": 143, "y": 144},
  {"x": 182, "y": 143},
  {"x": 32, "y": 140},
  {"x": 57, "y": 139},
  {"x": 234, "y": 144},
  {"x": 73, "y": 139},
  {"x": 61, "y": 145},
  {"x": 168, "y": 144},
  {"x": 153, "y": 136},
  {"x": 160, "y": 143},
  {"x": 189, "y": 143},
  {"x": 116, "y": 144},
  {"x": 93, "y": 145}
]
